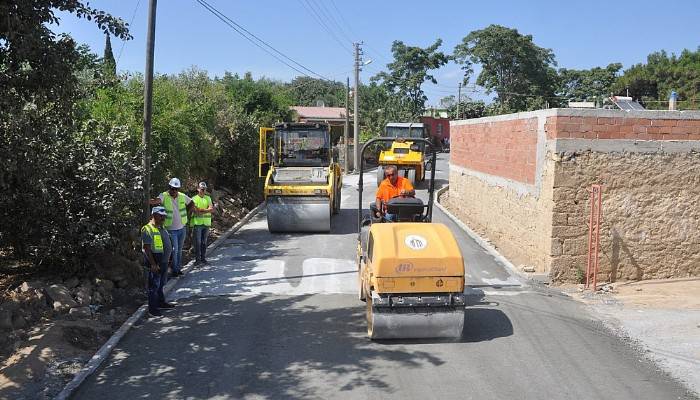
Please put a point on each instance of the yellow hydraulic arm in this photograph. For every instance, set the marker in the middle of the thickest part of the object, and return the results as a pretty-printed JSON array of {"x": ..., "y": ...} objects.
[{"x": 263, "y": 162}]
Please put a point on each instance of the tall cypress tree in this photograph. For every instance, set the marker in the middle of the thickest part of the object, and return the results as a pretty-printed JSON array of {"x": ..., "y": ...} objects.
[{"x": 110, "y": 65}]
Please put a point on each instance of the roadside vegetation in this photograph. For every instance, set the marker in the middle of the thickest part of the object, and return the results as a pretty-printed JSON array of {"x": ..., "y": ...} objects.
[
  {"x": 71, "y": 124},
  {"x": 71, "y": 176}
]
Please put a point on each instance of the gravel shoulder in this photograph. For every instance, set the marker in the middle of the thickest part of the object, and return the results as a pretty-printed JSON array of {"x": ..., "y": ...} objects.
[{"x": 661, "y": 316}]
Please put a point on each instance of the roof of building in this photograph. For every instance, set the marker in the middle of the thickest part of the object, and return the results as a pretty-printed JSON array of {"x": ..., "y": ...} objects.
[
  {"x": 405, "y": 125},
  {"x": 321, "y": 113}
]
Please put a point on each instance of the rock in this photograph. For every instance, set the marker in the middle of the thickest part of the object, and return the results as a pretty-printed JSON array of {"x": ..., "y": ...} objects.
[
  {"x": 40, "y": 296},
  {"x": 18, "y": 322},
  {"x": 97, "y": 298},
  {"x": 80, "y": 312},
  {"x": 528, "y": 268},
  {"x": 27, "y": 286},
  {"x": 217, "y": 194},
  {"x": 107, "y": 284},
  {"x": 60, "y": 297},
  {"x": 70, "y": 283},
  {"x": 83, "y": 296},
  {"x": 107, "y": 298},
  {"x": 5, "y": 320}
]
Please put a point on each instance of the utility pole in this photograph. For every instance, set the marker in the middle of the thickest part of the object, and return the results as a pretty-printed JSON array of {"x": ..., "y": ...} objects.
[
  {"x": 347, "y": 127},
  {"x": 459, "y": 98},
  {"x": 356, "y": 97},
  {"x": 148, "y": 106}
]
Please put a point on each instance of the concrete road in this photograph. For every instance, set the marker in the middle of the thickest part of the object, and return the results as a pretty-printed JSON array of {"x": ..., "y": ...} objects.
[{"x": 277, "y": 317}]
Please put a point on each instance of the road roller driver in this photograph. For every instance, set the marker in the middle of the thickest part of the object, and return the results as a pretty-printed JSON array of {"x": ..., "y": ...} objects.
[{"x": 392, "y": 186}]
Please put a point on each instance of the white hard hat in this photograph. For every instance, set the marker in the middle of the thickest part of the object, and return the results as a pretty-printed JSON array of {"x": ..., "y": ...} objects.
[{"x": 175, "y": 183}]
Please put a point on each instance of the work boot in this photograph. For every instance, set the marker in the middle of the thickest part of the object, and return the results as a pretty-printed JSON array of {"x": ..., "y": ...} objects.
[{"x": 155, "y": 313}]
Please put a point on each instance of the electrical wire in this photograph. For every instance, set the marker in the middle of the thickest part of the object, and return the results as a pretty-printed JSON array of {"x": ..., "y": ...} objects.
[
  {"x": 333, "y": 20},
  {"x": 133, "y": 16},
  {"x": 261, "y": 44},
  {"x": 344, "y": 24},
  {"x": 312, "y": 11},
  {"x": 343, "y": 20}
]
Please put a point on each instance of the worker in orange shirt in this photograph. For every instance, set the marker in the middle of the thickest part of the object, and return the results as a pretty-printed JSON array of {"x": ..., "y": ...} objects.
[{"x": 392, "y": 186}]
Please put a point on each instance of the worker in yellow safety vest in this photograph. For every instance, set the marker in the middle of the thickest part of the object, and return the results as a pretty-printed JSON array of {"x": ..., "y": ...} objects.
[
  {"x": 177, "y": 205},
  {"x": 201, "y": 222},
  {"x": 157, "y": 249}
]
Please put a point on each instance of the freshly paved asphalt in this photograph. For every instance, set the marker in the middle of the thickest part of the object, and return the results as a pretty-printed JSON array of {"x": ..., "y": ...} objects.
[{"x": 277, "y": 317}]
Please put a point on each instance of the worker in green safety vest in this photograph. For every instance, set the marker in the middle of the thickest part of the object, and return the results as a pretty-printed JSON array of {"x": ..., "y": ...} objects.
[
  {"x": 177, "y": 205},
  {"x": 201, "y": 222},
  {"x": 157, "y": 249}
]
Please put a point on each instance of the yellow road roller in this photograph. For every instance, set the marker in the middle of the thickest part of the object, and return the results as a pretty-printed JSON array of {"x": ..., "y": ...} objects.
[
  {"x": 404, "y": 152},
  {"x": 302, "y": 178},
  {"x": 411, "y": 271}
]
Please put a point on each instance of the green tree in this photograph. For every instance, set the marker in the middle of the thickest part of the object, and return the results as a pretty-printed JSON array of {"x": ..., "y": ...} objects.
[
  {"x": 108, "y": 61},
  {"x": 47, "y": 184},
  {"x": 307, "y": 91},
  {"x": 588, "y": 84},
  {"x": 448, "y": 101},
  {"x": 652, "y": 83},
  {"x": 520, "y": 72},
  {"x": 468, "y": 108},
  {"x": 407, "y": 73}
]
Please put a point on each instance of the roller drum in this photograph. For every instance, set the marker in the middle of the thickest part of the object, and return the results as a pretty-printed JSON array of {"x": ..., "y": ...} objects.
[
  {"x": 298, "y": 214},
  {"x": 415, "y": 322}
]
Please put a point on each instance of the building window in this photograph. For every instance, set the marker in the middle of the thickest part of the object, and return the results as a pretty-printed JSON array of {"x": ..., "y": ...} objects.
[{"x": 439, "y": 129}]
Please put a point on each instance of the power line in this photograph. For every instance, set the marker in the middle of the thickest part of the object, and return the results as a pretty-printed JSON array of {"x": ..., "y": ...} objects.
[
  {"x": 322, "y": 23},
  {"x": 133, "y": 16},
  {"x": 344, "y": 73},
  {"x": 347, "y": 25},
  {"x": 342, "y": 19},
  {"x": 333, "y": 20},
  {"x": 247, "y": 35},
  {"x": 378, "y": 54}
]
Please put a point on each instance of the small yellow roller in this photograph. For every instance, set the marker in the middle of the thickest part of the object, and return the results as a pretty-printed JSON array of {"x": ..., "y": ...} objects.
[{"x": 411, "y": 271}]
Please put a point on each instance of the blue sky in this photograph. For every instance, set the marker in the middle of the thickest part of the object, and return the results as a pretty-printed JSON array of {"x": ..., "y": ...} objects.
[{"x": 582, "y": 34}]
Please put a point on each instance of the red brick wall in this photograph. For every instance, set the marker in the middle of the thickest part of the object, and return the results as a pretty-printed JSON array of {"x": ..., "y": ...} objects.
[
  {"x": 563, "y": 127},
  {"x": 506, "y": 149}
]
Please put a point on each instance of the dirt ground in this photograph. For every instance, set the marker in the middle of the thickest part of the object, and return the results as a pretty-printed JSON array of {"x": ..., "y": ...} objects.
[
  {"x": 662, "y": 317},
  {"x": 677, "y": 294},
  {"x": 54, "y": 352},
  {"x": 38, "y": 360}
]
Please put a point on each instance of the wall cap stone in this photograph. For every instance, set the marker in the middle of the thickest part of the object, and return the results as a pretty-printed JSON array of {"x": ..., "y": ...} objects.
[
  {"x": 623, "y": 146},
  {"x": 577, "y": 112}
]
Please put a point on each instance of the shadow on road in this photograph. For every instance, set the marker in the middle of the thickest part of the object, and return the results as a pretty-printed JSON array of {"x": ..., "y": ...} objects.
[{"x": 272, "y": 347}]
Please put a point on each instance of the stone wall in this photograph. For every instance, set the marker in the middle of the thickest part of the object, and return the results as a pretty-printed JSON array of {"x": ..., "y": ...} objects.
[{"x": 530, "y": 197}]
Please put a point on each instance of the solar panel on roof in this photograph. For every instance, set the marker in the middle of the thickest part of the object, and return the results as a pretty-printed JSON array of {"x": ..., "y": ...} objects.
[{"x": 626, "y": 103}]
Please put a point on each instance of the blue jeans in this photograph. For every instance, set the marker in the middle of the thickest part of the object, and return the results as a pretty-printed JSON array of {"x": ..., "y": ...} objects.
[
  {"x": 390, "y": 217},
  {"x": 156, "y": 282},
  {"x": 178, "y": 238},
  {"x": 200, "y": 235}
]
